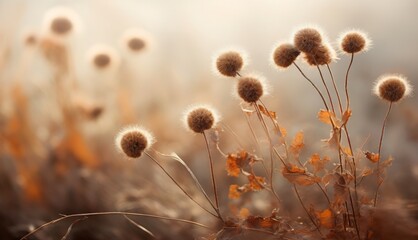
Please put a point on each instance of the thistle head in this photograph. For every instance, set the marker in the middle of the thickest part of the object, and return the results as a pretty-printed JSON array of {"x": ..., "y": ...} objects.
[
  {"x": 229, "y": 63},
  {"x": 251, "y": 88},
  {"x": 354, "y": 42},
  {"x": 392, "y": 88},
  {"x": 61, "y": 22},
  {"x": 201, "y": 118},
  {"x": 133, "y": 141},
  {"x": 103, "y": 57},
  {"x": 285, "y": 54},
  {"x": 307, "y": 40}
]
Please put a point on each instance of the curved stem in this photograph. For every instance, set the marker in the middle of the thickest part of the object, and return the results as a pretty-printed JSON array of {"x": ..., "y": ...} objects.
[
  {"x": 306, "y": 210},
  {"x": 347, "y": 97},
  {"x": 215, "y": 191},
  {"x": 326, "y": 88},
  {"x": 179, "y": 186},
  {"x": 111, "y": 213},
  {"x": 316, "y": 88},
  {"x": 335, "y": 89},
  {"x": 379, "y": 153}
]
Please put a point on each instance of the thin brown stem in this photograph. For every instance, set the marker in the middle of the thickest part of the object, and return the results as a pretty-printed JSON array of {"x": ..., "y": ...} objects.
[
  {"x": 316, "y": 88},
  {"x": 347, "y": 97},
  {"x": 215, "y": 190},
  {"x": 111, "y": 213},
  {"x": 179, "y": 186},
  {"x": 306, "y": 210},
  {"x": 326, "y": 88},
  {"x": 379, "y": 182},
  {"x": 335, "y": 89}
]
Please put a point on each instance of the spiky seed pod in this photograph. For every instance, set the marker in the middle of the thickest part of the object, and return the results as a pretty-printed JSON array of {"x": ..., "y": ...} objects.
[
  {"x": 322, "y": 55},
  {"x": 250, "y": 89},
  {"x": 307, "y": 40},
  {"x": 392, "y": 88},
  {"x": 133, "y": 141},
  {"x": 354, "y": 42},
  {"x": 199, "y": 119},
  {"x": 229, "y": 63},
  {"x": 285, "y": 54}
]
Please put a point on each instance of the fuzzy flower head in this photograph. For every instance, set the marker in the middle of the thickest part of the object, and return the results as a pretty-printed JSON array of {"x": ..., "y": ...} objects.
[
  {"x": 392, "y": 88},
  {"x": 322, "y": 55},
  {"x": 308, "y": 39},
  {"x": 285, "y": 54},
  {"x": 103, "y": 57},
  {"x": 61, "y": 22},
  {"x": 354, "y": 41},
  {"x": 229, "y": 63},
  {"x": 133, "y": 141},
  {"x": 201, "y": 118},
  {"x": 135, "y": 40},
  {"x": 251, "y": 88}
]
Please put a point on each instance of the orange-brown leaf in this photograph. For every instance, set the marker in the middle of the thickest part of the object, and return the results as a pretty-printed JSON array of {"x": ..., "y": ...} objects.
[
  {"x": 326, "y": 218},
  {"x": 232, "y": 166},
  {"x": 373, "y": 157},
  {"x": 297, "y": 143},
  {"x": 256, "y": 183},
  {"x": 234, "y": 192},
  {"x": 326, "y": 117},
  {"x": 346, "y": 116},
  {"x": 317, "y": 162},
  {"x": 299, "y": 176},
  {"x": 267, "y": 113}
]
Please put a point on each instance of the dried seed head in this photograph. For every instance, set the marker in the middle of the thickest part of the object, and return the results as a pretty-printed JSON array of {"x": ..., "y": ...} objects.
[
  {"x": 201, "y": 118},
  {"x": 322, "y": 55},
  {"x": 285, "y": 54},
  {"x": 133, "y": 140},
  {"x": 136, "y": 44},
  {"x": 61, "y": 22},
  {"x": 354, "y": 42},
  {"x": 392, "y": 88},
  {"x": 61, "y": 25},
  {"x": 103, "y": 57},
  {"x": 229, "y": 63},
  {"x": 250, "y": 89},
  {"x": 307, "y": 40},
  {"x": 101, "y": 60}
]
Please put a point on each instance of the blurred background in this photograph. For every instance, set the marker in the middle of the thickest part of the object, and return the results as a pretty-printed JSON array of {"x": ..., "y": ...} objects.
[{"x": 65, "y": 92}]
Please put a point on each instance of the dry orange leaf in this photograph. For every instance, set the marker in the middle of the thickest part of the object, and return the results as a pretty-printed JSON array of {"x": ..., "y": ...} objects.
[
  {"x": 256, "y": 183},
  {"x": 234, "y": 192},
  {"x": 317, "y": 162},
  {"x": 326, "y": 218},
  {"x": 299, "y": 176},
  {"x": 373, "y": 157},
  {"x": 346, "y": 116},
  {"x": 267, "y": 113},
  {"x": 326, "y": 117},
  {"x": 297, "y": 143}
]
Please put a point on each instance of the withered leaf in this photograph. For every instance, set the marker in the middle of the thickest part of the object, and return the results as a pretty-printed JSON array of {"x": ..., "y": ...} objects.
[
  {"x": 234, "y": 192},
  {"x": 297, "y": 143},
  {"x": 373, "y": 157},
  {"x": 326, "y": 117},
  {"x": 266, "y": 112},
  {"x": 333, "y": 140},
  {"x": 236, "y": 161},
  {"x": 299, "y": 176},
  {"x": 255, "y": 183},
  {"x": 346, "y": 116},
  {"x": 326, "y": 218},
  {"x": 318, "y": 163}
]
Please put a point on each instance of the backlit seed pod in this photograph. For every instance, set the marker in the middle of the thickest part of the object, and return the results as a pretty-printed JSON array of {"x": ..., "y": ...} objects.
[
  {"x": 285, "y": 54},
  {"x": 308, "y": 40},
  {"x": 133, "y": 141},
  {"x": 229, "y": 63},
  {"x": 61, "y": 22},
  {"x": 323, "y": 55},
  {"x": 201, "y": 118},
  {"x": 392, "y": 88},
  {"x": 135, "y": 40},
  {"x": 250, "y": 89},
  {"x": 354, "y": 42},
  {"x": 103, "y": 57}
]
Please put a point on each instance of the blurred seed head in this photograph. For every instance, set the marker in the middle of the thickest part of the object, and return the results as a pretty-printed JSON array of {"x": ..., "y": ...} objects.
[
  {"x": 251, "y": 88},
  {"x": 103, "y": 57},
  {"x": 354, "y": 42},
  {"x": 229, "y": 63},
  {"x": 392, "y": 88},
  {"x": 135, "y": 40},
  {"x": 61, "y": 22},
  {"x": 322, "y": 55},
  {"x": 285, "y": 54},
  {"x": 201, "y": 118},
  {"x": 308, "y": 40},
  {"x": 133, "y": 141}
]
